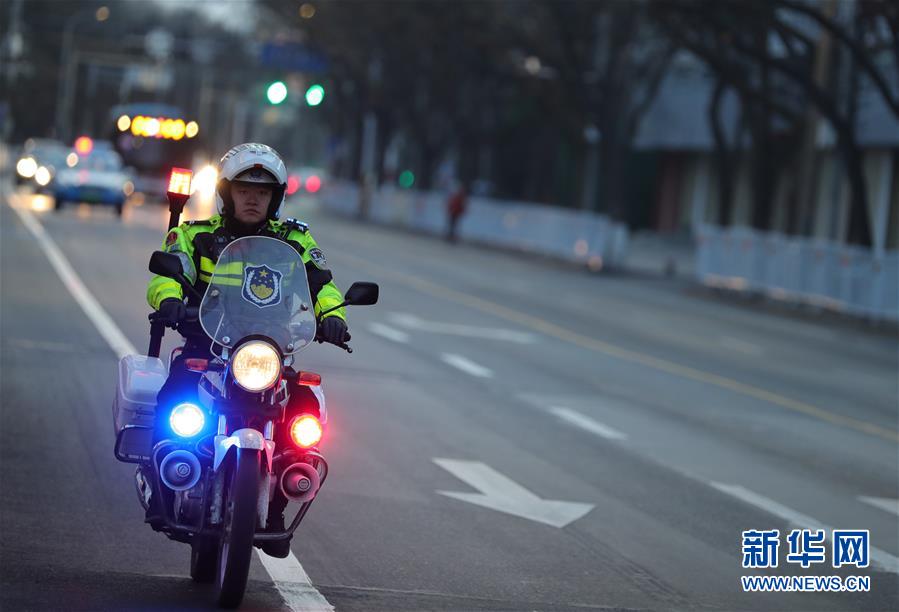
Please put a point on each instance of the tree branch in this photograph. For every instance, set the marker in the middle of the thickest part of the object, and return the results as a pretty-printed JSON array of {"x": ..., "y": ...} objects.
[{"x": 860, "y": 55}]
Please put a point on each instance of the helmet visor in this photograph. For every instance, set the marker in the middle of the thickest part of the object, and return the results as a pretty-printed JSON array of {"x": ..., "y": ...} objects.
[{"x": 256, "y": 175}]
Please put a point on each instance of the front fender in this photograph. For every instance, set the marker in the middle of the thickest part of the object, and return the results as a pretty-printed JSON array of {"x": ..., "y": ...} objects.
[{"x": 243, "y": 438}]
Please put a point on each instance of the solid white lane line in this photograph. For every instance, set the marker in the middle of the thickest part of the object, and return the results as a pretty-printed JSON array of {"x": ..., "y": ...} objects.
[
  {"x": 293, "y": 583},
  {"x": 288, "y": 575},
  {"x": 390, "y": 333},
  {"x": 586, "y": 423},
  {"x": 879, "y": 558},
  {"x": 101, "y": 320},
  {"x": 466, "y": 365},
  {"x": 883, "y": 503}
]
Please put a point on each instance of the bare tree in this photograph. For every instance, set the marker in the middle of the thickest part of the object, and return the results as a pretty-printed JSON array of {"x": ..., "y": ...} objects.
[{"x": 734, "y": 39}]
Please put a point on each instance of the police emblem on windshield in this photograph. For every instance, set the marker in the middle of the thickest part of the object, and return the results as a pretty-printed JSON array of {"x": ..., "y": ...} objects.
[{"x": 261, "y": 286}]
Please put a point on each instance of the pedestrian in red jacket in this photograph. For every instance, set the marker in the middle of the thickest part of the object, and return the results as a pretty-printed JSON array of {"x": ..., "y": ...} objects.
[{"x": 455, "y": 208}]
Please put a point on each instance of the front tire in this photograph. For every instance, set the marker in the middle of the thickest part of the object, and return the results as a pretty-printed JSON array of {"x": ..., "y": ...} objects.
[
  {"x": 239, "y": 527},
  {"x": 203, "y": 557}
]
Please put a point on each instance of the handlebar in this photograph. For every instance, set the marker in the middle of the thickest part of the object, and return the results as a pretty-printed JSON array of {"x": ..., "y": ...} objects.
[
  {"x": 193, "y": 315},
  {"x": 157, "y": 329},
  {"x": 342, "y": 345}
]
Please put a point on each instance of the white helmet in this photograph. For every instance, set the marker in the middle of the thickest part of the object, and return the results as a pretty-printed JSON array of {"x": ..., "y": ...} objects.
[{"x": 251, "y": 162}]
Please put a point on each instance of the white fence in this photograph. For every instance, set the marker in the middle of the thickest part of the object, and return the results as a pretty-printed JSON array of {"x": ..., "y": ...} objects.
[
  {"x": 822, "y": 273},
  {"x": 584, "y": 237}
]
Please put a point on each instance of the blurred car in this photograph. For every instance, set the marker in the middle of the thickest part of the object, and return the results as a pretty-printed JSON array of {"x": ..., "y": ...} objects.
[
  {"x": 95, "y": 178},
  {"x": 39, "y": 160},
  {"x": 306, "y": 180}
]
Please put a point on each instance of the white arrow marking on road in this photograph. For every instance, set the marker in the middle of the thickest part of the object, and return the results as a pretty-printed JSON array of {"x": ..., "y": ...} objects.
[
  {"x": 883, "y": 503},
  {"x": 586, "y": 423},
  {"x": 466, "y": 365},
  {"x": 388, "y": 332},
  {"x": 504, "y": 495},
  {"x": 287, "y": 574},
  {"x": 879, "y": 558},
  {"x": 410, "y": 321}
]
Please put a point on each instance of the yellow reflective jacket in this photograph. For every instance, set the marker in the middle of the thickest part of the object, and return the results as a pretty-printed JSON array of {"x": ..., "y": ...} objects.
[{"x": 199, "y": 243}]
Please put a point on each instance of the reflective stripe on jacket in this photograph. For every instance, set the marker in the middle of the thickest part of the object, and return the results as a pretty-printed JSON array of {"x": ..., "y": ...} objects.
[{"x": 199, "y": 243}]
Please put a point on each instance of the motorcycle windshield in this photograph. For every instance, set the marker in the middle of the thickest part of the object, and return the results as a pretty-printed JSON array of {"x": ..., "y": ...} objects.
[{"x": 259, "y": 288}]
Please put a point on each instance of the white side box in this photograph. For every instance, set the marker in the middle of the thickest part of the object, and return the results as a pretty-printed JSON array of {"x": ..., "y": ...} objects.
[{"x": 140, "y": 379}]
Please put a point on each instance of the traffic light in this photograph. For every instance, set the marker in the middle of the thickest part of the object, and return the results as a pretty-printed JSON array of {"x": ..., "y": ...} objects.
[
  {"x": 315, "y": 94},
  {"x": 276, "y": 92},
  {"x": 406, "y": 179}
]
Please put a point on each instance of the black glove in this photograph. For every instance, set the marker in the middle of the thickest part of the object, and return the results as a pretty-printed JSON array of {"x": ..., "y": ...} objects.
[
  {"x": 172, "y": 311},
  {"x": 333, "y": 330}
]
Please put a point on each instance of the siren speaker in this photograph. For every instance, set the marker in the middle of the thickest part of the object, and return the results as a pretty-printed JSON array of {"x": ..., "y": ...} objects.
[
  {"x": 180, "y": 470},
  {"x": 300, "y": 482}
]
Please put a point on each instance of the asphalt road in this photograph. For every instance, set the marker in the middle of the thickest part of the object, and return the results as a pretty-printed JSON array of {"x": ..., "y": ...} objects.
[{"x": 482, "y": 385}]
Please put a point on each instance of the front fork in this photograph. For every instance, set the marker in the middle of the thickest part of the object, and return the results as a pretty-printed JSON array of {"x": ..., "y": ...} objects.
[
  {"x": 247, "y": 438},
  {"x": 265, "y": 483}
]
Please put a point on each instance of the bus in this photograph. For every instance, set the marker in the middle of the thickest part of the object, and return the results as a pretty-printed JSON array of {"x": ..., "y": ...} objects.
[{"x": 152, "y": 138}]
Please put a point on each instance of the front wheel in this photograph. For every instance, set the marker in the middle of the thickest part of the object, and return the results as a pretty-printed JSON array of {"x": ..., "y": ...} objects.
[
  {"x": 239, "y": 527},
  {"x": 203, "y": 557}
]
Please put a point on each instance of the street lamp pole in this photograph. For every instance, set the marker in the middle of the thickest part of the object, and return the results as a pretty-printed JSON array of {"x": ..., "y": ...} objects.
[{"x": 67, "y": 74}]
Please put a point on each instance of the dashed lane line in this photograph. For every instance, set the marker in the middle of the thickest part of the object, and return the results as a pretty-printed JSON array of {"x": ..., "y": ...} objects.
[
  {"x": 385, "y": 331},
  {"x": 886, "y": 504},
  {"x": 879, "y": 558},
  {"x": 737, "y": 344},
  {"x": 664, "y": 365},
  {"x": 411, "y": 321},
  {"x": 466, "y": 365},
  {"x": 586, "y": 423}
]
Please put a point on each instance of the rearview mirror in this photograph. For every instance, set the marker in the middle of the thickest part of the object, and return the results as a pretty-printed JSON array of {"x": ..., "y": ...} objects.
[
  {"x": 362, "y": 294},
  {"x": 166, "y": 264}
]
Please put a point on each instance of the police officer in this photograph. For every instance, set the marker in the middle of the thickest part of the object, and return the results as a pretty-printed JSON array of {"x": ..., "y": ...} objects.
[{"x": 250, "y": 192}]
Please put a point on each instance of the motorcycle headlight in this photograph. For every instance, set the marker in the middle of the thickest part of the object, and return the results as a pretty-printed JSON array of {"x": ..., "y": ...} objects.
[{"x": 256, "y": 366}]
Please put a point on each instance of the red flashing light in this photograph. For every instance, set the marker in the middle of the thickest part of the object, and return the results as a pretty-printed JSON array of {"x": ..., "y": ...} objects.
[
  {"x": 293, "y": 184},
  {"x": 179, "y": 182},
  {"x": 306, "y": 431},
  {"x": 313, "y": 184},
  {"x": 84, "y": 145}
]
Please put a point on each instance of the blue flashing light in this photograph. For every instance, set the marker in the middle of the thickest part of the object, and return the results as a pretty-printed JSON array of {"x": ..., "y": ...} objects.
[{"x": 187, "y": 420}]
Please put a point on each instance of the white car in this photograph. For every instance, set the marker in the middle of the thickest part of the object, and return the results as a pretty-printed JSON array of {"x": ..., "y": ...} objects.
[
  {"x": 39, "y": 160},
  {"x": 96, "y": 178}
]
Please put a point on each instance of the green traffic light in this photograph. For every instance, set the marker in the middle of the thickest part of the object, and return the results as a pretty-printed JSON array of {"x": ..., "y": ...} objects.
[
  {"x": 315, "y": 95},
  {"x": 407, "y": 179},
  {"x": 276, "y": 92}
]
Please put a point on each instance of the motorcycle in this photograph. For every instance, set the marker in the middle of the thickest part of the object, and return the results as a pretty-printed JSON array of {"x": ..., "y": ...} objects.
[{"x": 214, "y": 464}]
